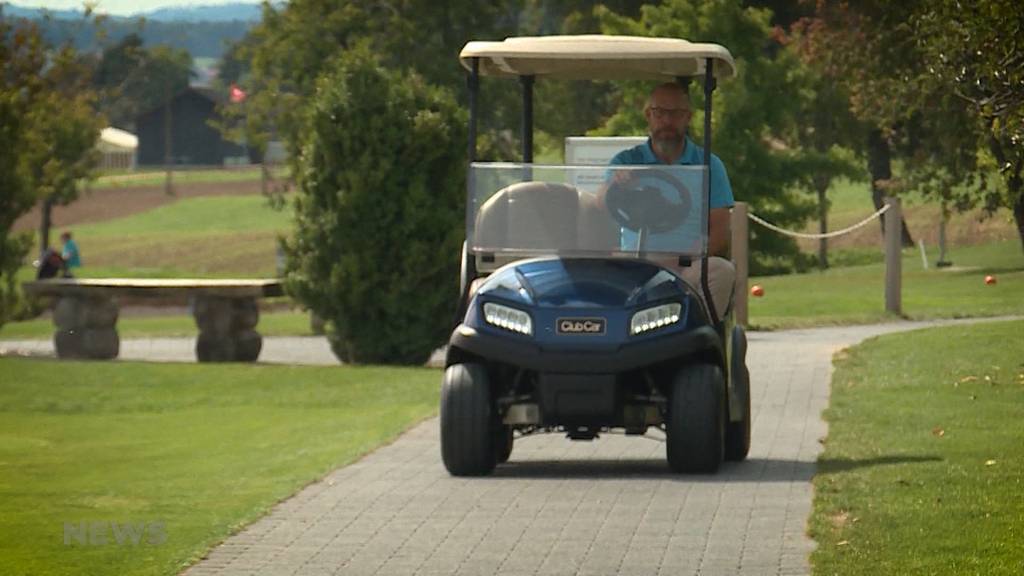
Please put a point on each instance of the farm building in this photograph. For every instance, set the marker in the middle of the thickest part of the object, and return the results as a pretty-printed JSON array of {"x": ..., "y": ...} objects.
[
  {"x": 117, "y": 149},
  {"x": 194, "y": 142}
]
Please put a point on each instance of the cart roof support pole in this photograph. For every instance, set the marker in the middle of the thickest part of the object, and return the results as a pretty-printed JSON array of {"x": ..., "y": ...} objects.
[
  {"x": 709, "y": 88},
  {"x": 527, "y": 128},
  {"x": 473, "y": 83}
]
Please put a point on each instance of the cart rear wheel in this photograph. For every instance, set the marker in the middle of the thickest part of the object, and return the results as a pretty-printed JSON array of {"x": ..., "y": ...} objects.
[
  {"x": 467, "y": 421},
  {"x": 737, "y": 434},
  {"x": 502, "y": 443},
  {"x": 696, "y": 420}
]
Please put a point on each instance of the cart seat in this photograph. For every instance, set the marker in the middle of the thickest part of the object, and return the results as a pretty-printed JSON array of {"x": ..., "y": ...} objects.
[{"x": 529, "y": 216}]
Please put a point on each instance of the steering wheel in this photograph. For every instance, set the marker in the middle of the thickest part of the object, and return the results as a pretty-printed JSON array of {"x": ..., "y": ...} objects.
[{"x": 637, "y": 203}]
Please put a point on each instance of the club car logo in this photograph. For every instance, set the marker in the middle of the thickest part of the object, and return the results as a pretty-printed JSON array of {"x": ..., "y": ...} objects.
[{"x": 581, "y": 325}]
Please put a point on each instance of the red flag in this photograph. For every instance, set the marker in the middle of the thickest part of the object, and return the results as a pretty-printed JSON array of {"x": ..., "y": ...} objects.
[{"x": 237, "y": 94}]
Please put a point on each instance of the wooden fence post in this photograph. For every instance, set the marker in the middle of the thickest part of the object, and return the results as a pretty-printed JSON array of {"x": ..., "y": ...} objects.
[
  {"x": 893, "y": 257},
  {"x": 740, "y": 255}
]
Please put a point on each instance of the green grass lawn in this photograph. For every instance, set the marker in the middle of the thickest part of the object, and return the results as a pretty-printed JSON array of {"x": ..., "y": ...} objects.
[
  {"x": 277, "y": 323},
  {"x": 204, "y": 237},
  {"x": 156, "y": 176},
  {"x": 923, "y": 468},
  {"x": 850, "y": 202},
  {"x": 851, "y": 295},
  {"x": 856, "y": 294},
  {"x": 200, "y": 450}
]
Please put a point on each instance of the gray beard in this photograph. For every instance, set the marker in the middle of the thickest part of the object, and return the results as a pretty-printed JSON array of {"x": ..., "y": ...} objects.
[{"x": 666, "y": 146}]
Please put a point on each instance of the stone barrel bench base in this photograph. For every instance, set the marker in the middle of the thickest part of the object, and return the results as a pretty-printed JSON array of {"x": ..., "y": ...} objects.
[
  {"x": 227, "y": 329},
  {"x": 226, "y": 313}
]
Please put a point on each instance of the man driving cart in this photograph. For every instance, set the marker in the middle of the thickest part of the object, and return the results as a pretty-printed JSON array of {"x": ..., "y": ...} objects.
[{"x": 668, "y": 116}]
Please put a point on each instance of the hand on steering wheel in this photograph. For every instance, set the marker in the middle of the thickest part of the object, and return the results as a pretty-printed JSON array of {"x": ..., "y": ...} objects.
[{"x": 635, "y": 200}]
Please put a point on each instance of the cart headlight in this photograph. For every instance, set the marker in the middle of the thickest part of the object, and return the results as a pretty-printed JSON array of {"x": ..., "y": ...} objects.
[
  {"x": 654, "y": 318},
  {"x": 508, "y": 318}
]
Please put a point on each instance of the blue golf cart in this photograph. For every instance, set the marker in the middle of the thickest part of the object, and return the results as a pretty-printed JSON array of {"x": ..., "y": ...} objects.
[{"x": 572, "y": 319}]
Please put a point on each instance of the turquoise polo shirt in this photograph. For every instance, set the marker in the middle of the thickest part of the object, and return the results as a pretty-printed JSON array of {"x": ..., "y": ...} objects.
[
  {"x": 693, "y": 155},
  {"x": 685, "y": 239},
  {"x": 72, "y": 258}
]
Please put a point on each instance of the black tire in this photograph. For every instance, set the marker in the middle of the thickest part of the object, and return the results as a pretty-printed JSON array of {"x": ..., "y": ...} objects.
[
  {"x": 467, "y": 421},
  {"x": 503, "y": 441},
  {"x": 696, "y": 420},
  {"x": 737, "y": 434}
]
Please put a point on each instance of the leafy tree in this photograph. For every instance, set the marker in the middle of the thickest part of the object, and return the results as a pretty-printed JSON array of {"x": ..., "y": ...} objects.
[
  {"x": 48, "y": 131},
  {"x": 826, "y": 131},
  {"x": 871, "y": 50},
  {"x": 974, "y": 54},
  {"x": 133, "y": 79},
  {"x": 378, "y": 217},
  {"x": 751, "y": 111},
  {"x": 293, "y": 44},
  {"x": 234, "y": 64}
]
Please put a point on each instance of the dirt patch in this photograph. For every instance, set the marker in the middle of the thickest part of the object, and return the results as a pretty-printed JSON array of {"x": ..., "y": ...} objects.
[{"x": 111, "y": 203}]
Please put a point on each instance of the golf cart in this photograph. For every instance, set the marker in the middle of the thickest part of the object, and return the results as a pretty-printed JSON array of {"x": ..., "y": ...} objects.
[{"x": 569, "y": 319}]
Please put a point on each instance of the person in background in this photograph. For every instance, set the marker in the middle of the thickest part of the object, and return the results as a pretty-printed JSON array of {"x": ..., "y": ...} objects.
[
  {"x": 51, "y": 265},
  {"x": 69, "y": 251}
]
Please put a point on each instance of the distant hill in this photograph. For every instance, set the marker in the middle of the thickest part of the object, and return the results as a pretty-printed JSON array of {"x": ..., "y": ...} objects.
[
  {"x": 13, "y": 11},
  {"x": 191, "y": 13},
  {"x": 205, "y": 31},
  {"x": 219, "y": 13}
]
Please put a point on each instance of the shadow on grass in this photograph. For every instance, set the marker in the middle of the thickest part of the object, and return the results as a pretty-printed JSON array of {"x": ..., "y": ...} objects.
[
  {"x": 835, "y": 465},
  {"x": 754, "y": 470}
]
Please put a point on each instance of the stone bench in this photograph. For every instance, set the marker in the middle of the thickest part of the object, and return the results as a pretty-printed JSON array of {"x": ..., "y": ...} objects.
[{"x": 226, "y": 312}]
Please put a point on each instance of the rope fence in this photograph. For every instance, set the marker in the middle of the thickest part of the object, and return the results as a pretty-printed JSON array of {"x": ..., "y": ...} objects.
[
  {"x": 833, "y": 234},
  {"x": 741, "y": 217}
]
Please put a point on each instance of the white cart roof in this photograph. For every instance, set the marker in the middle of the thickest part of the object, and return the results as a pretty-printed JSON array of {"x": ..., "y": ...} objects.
[{"x": 596, "y": 57}]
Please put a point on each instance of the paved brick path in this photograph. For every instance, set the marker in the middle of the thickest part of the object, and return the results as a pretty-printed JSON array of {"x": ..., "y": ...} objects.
[{"x": 559, "y": 507}]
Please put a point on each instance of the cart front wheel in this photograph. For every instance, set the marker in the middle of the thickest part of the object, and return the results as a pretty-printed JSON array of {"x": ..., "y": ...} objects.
[
  {"x": 468, "y": 420},
  {"x": 696, "y": 420}
]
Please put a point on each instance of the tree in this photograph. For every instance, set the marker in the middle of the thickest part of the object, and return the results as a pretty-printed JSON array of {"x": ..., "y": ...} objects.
[
  {"x": 826, "y": 131},
  {"x": 290, "y": 48},
  {"x": 974, "y": 52},
  {"x": 379, "y": 212},
  {"x": 752, "y": 111},
  {"x": 48, "y": 131},
  {"x": 871, "y": 50},
  {"x": 133, "y": 79}
]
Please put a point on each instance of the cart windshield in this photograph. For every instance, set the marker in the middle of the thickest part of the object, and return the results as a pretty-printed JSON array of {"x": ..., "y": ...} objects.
[{"x": 597, "y": 211}]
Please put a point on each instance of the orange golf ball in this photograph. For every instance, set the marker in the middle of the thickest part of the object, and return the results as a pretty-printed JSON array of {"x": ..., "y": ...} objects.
[
  {"x": 757, "y": 290},
  {"x": 990, "y": 279}
]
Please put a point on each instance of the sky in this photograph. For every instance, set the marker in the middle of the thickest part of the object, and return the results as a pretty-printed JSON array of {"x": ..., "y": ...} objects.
[{"x": 122, "y": 7}]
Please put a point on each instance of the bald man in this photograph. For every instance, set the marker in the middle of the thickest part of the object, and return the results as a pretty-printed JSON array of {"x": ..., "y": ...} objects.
[{"x": 668, "y": 116}]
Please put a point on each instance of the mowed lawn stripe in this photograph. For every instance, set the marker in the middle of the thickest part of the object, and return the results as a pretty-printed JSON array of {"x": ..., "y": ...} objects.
[
  {"x": 200, "y": 449},
  {"x": 923, "y": 468},
  {"x": 856, "y": 294}
]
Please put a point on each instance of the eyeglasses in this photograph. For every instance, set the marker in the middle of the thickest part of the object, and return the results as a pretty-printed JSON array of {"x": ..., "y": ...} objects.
[{"x": 668, "y": 112}]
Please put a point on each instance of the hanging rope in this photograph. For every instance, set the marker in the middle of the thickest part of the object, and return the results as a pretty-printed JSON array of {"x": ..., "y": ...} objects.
[{"x": 846, "y": 230}]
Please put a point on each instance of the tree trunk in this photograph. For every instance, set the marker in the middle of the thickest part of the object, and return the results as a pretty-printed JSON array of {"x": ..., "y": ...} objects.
[
  {"x": 1018, "y": 215},
  {"x": 46, "y": 224},
  {"x": 168, "y": 143},
  {"x": 1014, "y": 183},
  {"x": 822, "y": 226},
  {"x": 880, "y": 167}
]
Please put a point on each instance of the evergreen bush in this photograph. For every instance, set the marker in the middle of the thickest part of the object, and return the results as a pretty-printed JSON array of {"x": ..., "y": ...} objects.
[{"x": 381, "y": 179}]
